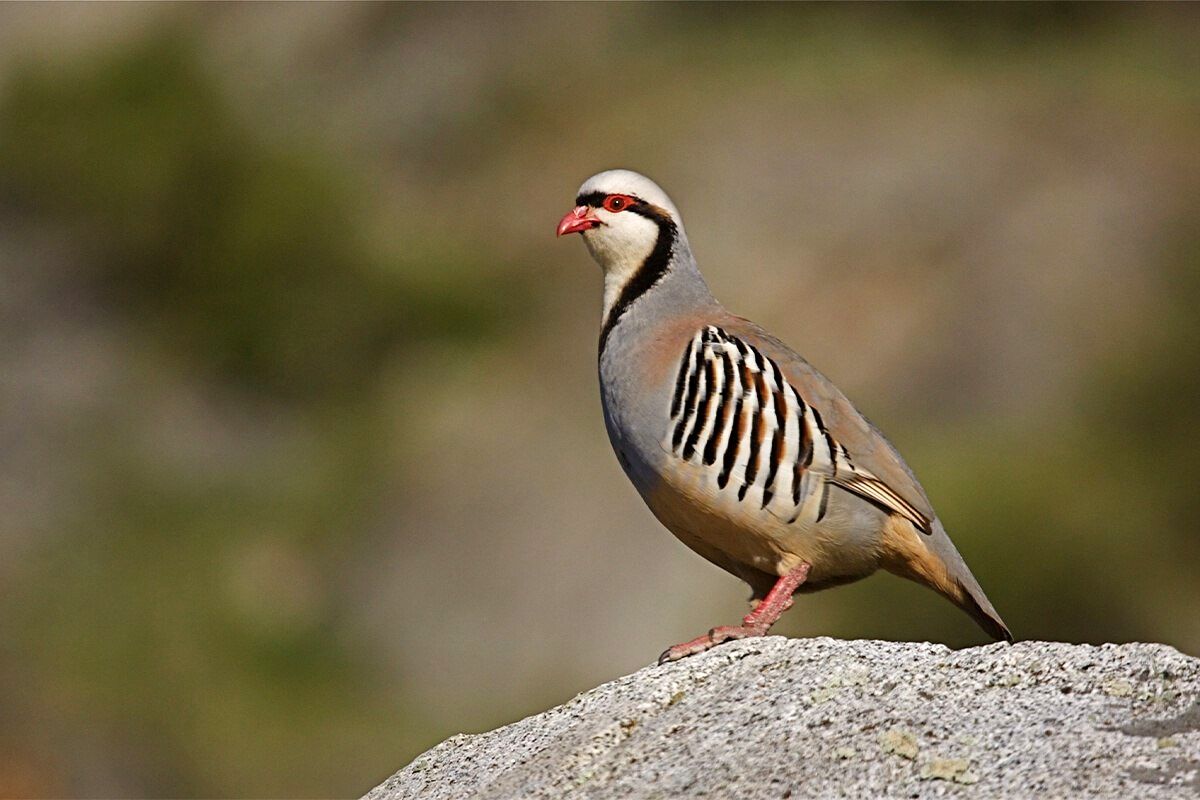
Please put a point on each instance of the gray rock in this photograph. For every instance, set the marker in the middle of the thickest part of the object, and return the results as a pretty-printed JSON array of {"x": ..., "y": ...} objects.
[{"x": 777, "y": 718}]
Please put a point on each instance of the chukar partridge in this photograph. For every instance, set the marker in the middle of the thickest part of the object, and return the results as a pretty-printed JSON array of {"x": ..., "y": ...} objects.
[{"x": 739, "y": 447}]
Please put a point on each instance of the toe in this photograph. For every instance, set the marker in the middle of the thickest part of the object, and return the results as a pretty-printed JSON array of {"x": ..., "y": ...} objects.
[{"x": 697, "y": 645}]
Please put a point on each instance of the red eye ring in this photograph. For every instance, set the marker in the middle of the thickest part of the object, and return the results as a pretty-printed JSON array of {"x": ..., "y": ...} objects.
[{"x": 617, "y": 202}]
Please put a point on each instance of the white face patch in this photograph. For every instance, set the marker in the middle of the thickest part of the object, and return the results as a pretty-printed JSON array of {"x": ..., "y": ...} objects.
[{"x": 621, "y": 245}]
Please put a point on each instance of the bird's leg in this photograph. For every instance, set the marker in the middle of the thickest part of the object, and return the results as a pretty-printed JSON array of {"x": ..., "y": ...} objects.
[{"x": 765, "y": 614}]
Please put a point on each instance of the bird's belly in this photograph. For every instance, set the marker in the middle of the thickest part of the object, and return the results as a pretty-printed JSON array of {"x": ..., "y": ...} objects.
[{"x": 844, "y": 545}]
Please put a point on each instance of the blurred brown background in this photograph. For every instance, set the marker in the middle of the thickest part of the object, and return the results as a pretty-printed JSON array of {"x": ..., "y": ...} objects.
[{"x": 302, "y": 467}]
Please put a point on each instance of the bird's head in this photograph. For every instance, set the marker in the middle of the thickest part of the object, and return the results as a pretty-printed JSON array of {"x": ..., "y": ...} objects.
[{"x": 624, "y": 217}]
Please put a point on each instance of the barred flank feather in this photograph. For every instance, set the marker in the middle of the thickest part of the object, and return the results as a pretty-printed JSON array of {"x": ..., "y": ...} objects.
[{"x": 732, "y": 411}]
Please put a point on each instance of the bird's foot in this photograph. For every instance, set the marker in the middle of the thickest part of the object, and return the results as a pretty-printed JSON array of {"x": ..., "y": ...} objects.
[
  {"x": 756, "y": 623},
  {"x": 719, "y": 635}
]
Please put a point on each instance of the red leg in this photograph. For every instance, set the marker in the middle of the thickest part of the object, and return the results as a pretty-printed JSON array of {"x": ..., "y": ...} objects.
[{"x": 756, "y": 623}]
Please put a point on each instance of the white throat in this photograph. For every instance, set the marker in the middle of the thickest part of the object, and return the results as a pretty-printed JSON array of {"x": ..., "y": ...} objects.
[{"x": 620, "y": 249}]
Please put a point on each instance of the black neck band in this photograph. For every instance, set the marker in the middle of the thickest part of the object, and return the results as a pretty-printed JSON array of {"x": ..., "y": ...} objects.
[{"x": 651, "y": 270}]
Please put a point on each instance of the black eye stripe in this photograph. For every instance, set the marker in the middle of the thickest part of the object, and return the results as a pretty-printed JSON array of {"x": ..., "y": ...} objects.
[
  {"x": 596, "y": 199},
  {"x": 635, "y": 205}
]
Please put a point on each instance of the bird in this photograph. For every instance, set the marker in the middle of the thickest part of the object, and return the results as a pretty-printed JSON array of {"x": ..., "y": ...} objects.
[{"x": 738, "y": 446}]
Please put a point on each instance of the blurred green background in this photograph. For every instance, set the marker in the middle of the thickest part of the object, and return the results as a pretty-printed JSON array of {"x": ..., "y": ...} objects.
[{"x": 302, "y": 466}]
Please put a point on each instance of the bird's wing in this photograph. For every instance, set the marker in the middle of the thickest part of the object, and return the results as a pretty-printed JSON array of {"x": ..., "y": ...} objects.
[
  {"x": 864, "y": 462},
  {"x": 761, "y": 421}
]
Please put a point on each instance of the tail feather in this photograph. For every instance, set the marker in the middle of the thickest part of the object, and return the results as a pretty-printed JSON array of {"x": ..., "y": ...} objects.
[
  {"x": 983, "y": 613},
  {"x": 933, "y": 561}
]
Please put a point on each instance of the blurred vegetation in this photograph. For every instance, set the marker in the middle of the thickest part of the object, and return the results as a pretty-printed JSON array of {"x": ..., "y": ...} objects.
[
  {"x": 194, "y": 626},
  {"x": 214, "y": 241},
  {"x": 318, "y": 353}
]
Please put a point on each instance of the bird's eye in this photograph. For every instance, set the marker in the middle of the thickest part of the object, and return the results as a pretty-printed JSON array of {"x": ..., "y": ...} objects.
[{"x": 616, "y": 202}]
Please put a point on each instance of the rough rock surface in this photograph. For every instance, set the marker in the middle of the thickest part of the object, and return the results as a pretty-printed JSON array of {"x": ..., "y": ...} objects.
[{"x": 776, "y": 718}]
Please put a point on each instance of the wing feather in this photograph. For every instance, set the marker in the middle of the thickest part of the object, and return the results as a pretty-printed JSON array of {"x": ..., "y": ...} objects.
[
  {"x": 877, "y": 472},
  {"x": 875, "y": 490}
]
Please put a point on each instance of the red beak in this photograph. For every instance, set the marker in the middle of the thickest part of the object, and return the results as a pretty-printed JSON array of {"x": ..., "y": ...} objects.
[{"x": 578, "y": 220}]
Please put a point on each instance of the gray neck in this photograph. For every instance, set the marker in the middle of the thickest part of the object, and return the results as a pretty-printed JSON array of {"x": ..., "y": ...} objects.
[{"x": 679, "y": 290}]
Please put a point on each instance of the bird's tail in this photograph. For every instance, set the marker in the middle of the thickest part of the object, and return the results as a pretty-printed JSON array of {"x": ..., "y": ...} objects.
[
  {"x": 972, "y": 600},
  {"x": 933, "y": 561}
]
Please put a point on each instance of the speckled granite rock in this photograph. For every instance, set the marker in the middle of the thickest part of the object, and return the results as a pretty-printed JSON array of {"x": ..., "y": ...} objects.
[{"x": 776, "y": 718}]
